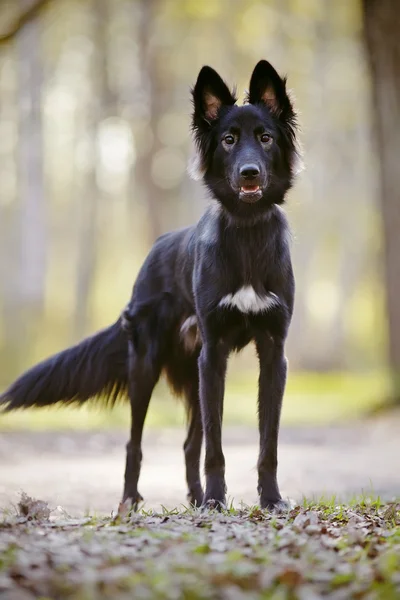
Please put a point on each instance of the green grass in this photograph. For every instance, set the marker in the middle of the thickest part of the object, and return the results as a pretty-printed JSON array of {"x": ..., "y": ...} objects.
[
  {"x": 311, "y": 398},
  {"x": 318, "y": 549}
]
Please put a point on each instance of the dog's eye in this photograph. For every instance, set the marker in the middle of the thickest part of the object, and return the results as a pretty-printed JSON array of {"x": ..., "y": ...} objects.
[
  {"x": 266, "y": 138},
  {"x": 229, "y": 139}
]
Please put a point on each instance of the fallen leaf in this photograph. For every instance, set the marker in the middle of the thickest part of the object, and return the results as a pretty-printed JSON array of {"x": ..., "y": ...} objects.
[{"x": 33, "y": 509}]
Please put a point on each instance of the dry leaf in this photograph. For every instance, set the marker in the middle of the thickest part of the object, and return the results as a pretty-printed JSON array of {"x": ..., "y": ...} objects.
[{"x": 33, "y": 509}]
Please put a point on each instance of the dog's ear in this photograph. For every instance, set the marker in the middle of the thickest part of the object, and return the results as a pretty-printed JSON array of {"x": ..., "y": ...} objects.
[
  {"x": 209, "y": 94},
  {"x": 267, "y": 87}
]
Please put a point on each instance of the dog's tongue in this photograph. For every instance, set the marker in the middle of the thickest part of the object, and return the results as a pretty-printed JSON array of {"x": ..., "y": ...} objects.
[{"x": 250, "y": 189}]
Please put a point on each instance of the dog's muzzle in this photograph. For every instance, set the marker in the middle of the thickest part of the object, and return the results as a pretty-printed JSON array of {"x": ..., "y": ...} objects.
[{"x": 250, "y": 183}]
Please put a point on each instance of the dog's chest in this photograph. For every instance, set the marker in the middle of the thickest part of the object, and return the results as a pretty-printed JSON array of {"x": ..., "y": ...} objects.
[
  {"x": 247, "y": 285},
  {"x": 247, "y": 301}
]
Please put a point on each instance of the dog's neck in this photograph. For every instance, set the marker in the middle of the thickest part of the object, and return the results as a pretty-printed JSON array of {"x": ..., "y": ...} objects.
[{"x": 220, "y": 212}]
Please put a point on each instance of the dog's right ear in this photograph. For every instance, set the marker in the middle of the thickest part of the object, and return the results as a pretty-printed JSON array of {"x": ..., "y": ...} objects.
[{"x": 209, "y": 94}]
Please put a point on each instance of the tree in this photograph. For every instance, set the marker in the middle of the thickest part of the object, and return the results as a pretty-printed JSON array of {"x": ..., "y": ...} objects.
[
  {"x": 25, "y": 266},
  {"x": 102, "y": 105},
  {"x": 152, "y": 62},
  {"x": 382, "y": 23}
]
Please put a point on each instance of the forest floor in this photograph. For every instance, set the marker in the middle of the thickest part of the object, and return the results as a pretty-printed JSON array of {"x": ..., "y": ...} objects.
[
  {"x": 316, "y": 550},
  {"x": 70, "y": 545}
]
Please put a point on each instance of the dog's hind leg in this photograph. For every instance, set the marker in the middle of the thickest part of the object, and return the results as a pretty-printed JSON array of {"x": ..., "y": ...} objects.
[
  {"x": 192, "y": 445},
  {"x": 148, "y": 325},
  {"x": 143, "y": 376}
]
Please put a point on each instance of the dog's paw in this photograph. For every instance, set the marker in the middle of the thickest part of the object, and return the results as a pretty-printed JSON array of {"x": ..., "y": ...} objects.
[
  {"x": 213, "y": 504},
  {"x": 138, "y": 499},
  {"x": 276, "y": 506},
  {"x": 195, "y": 498},
  {"x": 129, "y": 504}
]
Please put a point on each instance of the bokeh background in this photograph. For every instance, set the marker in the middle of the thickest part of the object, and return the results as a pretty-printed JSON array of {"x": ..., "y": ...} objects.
[{"x": 94, "y": 142}]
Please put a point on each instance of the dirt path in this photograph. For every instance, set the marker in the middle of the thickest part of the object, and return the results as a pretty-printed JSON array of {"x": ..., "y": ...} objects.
[{"x": 84, "y": 471}]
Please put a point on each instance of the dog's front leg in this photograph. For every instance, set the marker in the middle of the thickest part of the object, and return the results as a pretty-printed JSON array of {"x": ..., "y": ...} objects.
[
  {"x": 212, "y": 371},
  {"x": 273, "y": 370}
]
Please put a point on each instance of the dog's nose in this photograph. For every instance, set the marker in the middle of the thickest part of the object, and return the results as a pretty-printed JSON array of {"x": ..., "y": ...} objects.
[{"x": 249, "y": 171}]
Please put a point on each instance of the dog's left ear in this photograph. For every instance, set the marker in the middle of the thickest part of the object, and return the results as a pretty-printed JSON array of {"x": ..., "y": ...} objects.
[{"x": 267, "y": 87}]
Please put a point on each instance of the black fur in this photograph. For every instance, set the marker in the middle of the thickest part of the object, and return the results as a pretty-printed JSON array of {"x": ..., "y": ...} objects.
[
  {"x": 203, "y": 292},
  {"x": 76, "y": 374}
]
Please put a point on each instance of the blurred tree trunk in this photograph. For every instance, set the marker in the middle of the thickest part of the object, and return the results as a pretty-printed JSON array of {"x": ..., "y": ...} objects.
[
  {"x": 305, "y": 355},
  {"x": 382, "y": 26},
  {"x": 152, "y": 69},
  {"x": 103, "y": 104},
  {"x": 30, "y": 162},
  {"x": 25, "y": 288}
]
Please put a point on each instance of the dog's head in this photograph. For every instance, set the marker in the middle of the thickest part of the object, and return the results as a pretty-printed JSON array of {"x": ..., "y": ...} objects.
[{"x": 247, "y": 155}]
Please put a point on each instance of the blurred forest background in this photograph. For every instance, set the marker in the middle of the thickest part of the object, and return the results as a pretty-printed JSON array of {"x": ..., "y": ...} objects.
[{"x": 94, "y": 142}]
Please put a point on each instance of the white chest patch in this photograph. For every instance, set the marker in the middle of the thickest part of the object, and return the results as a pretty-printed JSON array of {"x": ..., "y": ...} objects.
[{"x": 247, "y": 301}]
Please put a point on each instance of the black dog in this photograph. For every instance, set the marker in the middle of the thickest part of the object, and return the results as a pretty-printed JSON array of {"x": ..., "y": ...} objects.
[{"x": 202, "y": 292}]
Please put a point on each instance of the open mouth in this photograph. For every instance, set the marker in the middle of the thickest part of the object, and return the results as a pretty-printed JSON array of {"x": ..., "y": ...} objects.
[
  {"x": 249, "y": 189},
  {"x": 250, "y": 193}
]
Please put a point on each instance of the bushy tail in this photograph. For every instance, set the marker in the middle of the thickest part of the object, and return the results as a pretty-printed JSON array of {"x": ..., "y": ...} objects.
[{"x": 95, "y": 367}]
